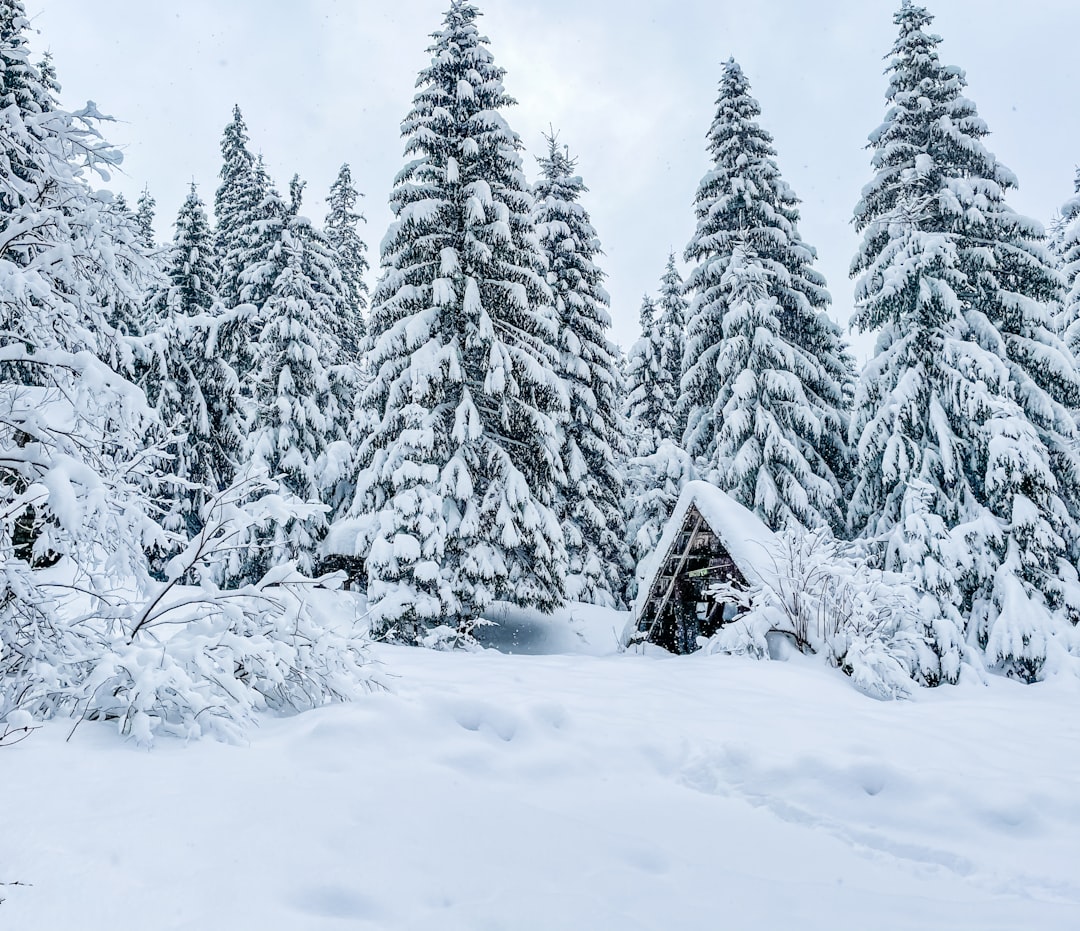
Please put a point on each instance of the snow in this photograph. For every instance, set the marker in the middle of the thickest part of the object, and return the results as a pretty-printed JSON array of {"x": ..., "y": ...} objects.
[{"x": 577, "y": 788}]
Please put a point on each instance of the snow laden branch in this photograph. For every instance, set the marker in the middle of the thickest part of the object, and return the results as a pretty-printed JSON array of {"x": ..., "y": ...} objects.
[{"x": 195, "y": 659}]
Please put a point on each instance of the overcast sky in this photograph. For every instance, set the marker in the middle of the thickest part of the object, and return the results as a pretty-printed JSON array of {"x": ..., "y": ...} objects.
[{"x": 629, "y": 85}]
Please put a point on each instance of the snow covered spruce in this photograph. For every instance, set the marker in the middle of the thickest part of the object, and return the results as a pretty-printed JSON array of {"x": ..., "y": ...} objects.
[
  {"x": 763, "y": 394},
  {"x": 964, "y": 422},
  {"x": 462, "y": 471}
]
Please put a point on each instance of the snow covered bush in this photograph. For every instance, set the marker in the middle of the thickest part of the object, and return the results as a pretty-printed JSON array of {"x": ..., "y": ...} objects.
[
  {"x": 76, "y": 519},
  {"x": 196, "y": 659},
  {"x": 818, "y": 593},
  {"x": 268, "y": 646}
]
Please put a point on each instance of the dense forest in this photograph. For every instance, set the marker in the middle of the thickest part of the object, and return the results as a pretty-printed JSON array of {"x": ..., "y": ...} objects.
[{"x": 195, "y": 434}]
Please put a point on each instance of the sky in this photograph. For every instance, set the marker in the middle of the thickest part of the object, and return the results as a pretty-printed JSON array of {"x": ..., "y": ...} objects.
[{"x": 630, "y": 87}]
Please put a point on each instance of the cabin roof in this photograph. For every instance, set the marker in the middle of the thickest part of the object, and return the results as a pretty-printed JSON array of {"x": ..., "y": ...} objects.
[
  {"x": 752, "y": 546},
  {"x": 347, "y": 537}
]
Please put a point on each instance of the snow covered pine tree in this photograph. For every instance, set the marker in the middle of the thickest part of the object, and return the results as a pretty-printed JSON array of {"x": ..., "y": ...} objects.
[
  {"x": 673, "y": 310},
  {"x": 650, "y": 393},
  {"x": 339, "y": 229},
  {"x": 764, "y": 389},
  {"x": 659, "y": 467},
  {"x": 298, "y": 413},
  {"x": 462, "y": 469},
  {"x": 590, "y": 506},
  {"x": 194, "y": 391},
  {"x": 1068, "y": 251},
  {"x": 967, "y": 466}
]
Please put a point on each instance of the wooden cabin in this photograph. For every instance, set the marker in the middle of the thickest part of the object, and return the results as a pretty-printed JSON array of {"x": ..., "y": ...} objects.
[{"x": 707, "y": 562}]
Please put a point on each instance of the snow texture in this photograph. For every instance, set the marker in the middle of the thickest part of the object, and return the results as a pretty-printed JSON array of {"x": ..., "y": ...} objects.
[{"x": 574, "y": 791}]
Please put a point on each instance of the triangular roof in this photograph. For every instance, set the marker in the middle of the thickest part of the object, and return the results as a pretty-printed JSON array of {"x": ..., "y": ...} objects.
[{"x": 753, "y": 547}]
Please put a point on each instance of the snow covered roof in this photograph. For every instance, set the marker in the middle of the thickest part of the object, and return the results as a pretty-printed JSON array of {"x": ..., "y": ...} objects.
[
  {"x": 347, "y": 537},
  {"x": 751, "y": 545}
]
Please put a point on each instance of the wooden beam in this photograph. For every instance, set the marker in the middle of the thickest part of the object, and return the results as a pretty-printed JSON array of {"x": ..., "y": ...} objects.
[{"x": 675, "y": 575}]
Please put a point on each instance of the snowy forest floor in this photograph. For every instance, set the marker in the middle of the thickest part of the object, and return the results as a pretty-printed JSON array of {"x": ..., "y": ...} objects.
[{"x": 565, "y": 787}]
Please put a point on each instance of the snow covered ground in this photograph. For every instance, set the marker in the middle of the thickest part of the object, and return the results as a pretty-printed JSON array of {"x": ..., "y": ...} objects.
[{"x": 566, "y": 786}]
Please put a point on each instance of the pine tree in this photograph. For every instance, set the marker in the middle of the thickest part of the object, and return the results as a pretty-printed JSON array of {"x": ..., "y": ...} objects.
[
  {"x": 192, "y": 270},
  {"x": 462, "y": 337},
  {"x": 248, "y": 272},
  {"x": 49, "y": 83},
  {"x": 766, "y": 421},
  {"x": 236, "y": 207},
  {"x": 1068, "y": 252},
  {"x": 650, "y": 400},
  {"x": 144, "y": 217},
  {"x": 673, "y": 310},
  {"x": 351, "y": 251},
  {"x": 194, "y": 390},
  {"x": 964, "y": 406},
  {"x": 259, "y": 258},
  {"x": 654, "y": 481},
  {"x": 296, "y": 414},
  {"x": 590, "y": 507},
  {"x": 744, "y": 206}
]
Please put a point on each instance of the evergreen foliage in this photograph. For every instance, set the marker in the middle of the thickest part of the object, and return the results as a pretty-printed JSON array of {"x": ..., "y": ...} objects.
[
  {"x": 144, "y": 217},
  {"x": 766, "y": 421},
  {"x": 744, "y": 206},
  {"x": 193, "y": 389},
  {"x": 673, "y": 310},
  {"x": 654, "y": 481},
  {"x": 464, "y": 367},
  {"x": 1068, "y": 252},
  {"x": 236, "y": 207},
  {"x": 296, "y": 413},
  {"x": 967, "y": 464},
  {"x": 650, "y": 395},
  {"x": 593, "y": 453},
  {"x": 192, "y": 270},
  {"x": 351, "y": 252}
]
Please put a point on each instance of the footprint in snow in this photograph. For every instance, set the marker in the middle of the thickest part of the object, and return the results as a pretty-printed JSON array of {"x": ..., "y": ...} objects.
[{"x": 335, "y": 902}]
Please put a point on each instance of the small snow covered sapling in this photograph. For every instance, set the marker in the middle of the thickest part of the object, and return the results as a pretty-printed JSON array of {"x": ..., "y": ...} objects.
[{"x": 196, "y": 659}]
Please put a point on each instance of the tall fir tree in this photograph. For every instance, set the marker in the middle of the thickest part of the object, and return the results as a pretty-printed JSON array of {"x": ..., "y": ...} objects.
[
  {"x": 193, "y": 388},
  {"x": 650, "y": 398},
  {"x": 296, "y": 414},
  {"x": 1068, "y": 253},
  {"x": 464, "y": 365},
  {"x": 965, "y": 442},
  {"x": 744, "y": 206},
  {"x": 766, "y": 422},
  {"x": 673, "y": 310},
  {"x": 49, "y": 83},
  {"x": 237, "y": 206},
  {"x": 332, "y": 315},
  {"x": 192, "y": 269},
  {"x": 144, "y": 217},
  {"x": 340, "y": 231},
  {"x": 593, "y": 450}
]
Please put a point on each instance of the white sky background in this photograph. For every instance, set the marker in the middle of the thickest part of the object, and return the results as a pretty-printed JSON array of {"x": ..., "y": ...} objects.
[{"x": 630, "y": 86}]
